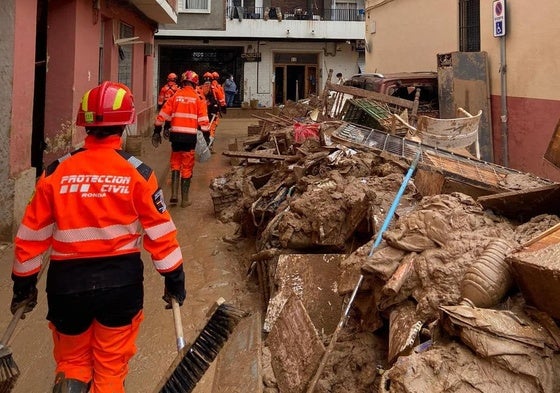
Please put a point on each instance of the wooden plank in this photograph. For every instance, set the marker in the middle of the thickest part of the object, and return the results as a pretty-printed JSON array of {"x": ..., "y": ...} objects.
[
  {"x": 357, "y": 92},
  {"x": 313, "y": 278},
  {"x": 524, "y": 204},
  {"x": 266, "y": 156},
  {"x": 295, "y": 347},
  {"x": 243, "y": 349}
]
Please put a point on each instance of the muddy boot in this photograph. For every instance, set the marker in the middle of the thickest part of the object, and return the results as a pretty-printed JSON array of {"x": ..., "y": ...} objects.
[
  {"x": 69, "y": 385},
  {"x": 185, "y": 185},
  {"x": 174, "y": 188}
]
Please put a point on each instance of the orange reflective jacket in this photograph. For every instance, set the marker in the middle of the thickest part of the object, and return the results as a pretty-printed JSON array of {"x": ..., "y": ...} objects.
[
  {"x": 186, "y": 110},
  {"x": 167, "y": 91},
  {"x": 94, "y": 203},
  {"x": 219, "y": 93}
]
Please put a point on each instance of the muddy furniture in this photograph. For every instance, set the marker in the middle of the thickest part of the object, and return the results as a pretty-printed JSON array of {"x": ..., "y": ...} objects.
[
  {"x": 536, "y": 268},
  {"x": 451, "y": 133}
]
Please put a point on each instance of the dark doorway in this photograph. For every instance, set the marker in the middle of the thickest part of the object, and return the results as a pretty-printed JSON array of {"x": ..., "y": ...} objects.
[
  {"x": 223, "y": 60},
  {"x": 296, "y": 82},
  {"x": 279, "y": 85},
  {"x": 38, "y": 128}
]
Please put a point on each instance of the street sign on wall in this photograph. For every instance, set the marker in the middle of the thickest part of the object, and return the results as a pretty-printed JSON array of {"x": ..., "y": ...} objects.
[{"x": 499, "y": 11}]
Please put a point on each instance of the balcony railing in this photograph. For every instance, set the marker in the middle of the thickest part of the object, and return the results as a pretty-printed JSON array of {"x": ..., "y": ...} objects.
[{"x": 295, "y": 14}]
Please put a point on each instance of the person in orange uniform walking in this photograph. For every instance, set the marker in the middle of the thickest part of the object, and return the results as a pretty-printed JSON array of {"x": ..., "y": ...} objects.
[
  {"x": 165, "y": 93},
  {"x": 187, "y": 112},
  {"x": 89, "y": 208},
  {"x": 220, "y": 97},
  {"x": 212, "y": 97}
]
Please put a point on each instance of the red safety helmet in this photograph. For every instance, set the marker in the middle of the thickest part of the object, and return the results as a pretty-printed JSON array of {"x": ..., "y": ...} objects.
[
  {"x": 190, "y": 76},
  {"x": 207, "y": 75},
  {"x": 215, "y": 75},
  {"x": 109, "y": 104},
  {"x": 172, "y": 77}
]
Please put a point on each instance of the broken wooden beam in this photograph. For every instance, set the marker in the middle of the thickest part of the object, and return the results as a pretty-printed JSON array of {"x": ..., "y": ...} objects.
[{"x": 264, "y": 156}]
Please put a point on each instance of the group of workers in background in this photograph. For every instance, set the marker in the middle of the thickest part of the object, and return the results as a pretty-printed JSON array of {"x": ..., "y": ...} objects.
[{"x": 183, "y": 110}]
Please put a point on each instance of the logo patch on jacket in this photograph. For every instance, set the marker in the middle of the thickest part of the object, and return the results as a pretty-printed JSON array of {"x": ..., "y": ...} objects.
[{"x": 159, "y": 201}]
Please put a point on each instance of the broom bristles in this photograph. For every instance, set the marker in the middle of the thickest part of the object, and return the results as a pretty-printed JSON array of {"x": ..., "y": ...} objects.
[
  {"x": 9, "y": 371},
  {"x": 195, "y": 360}
]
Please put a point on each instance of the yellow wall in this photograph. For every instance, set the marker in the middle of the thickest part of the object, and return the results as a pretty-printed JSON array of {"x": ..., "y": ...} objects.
[
  {"x": 532, "y": 48},
  {"x": 409, "y": 34}
]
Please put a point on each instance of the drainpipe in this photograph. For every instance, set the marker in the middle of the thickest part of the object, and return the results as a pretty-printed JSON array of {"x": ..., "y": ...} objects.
[{"x": 504, "y": 114}]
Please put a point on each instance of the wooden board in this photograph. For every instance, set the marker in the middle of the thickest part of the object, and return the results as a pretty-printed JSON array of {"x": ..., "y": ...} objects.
[
  {"x": 357, "y": 92},
  {"x": 267, "y": 156},
  {"x": 243, "y": 349},
  {"x": 524, "y": 204},
  {"x": 295, "y": 347},
  {"x": 312, "y": 277}
]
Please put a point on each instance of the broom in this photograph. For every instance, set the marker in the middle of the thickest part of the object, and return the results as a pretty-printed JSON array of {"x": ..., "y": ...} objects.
[
  {"x": 192, "y": 362},
  {"x": 9, "y": 371}
]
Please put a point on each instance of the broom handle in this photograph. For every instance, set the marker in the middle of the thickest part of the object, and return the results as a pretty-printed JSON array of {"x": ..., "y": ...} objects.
[
  {"x": 178, "y": 324},
  {"x": 11, "y": 327}
]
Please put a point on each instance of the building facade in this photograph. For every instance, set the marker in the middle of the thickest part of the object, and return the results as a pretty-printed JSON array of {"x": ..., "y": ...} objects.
[
  {"x": 52, "y": 52},
  {"x": 275, "y": 51},
  {"x": 522, "y": 65}
]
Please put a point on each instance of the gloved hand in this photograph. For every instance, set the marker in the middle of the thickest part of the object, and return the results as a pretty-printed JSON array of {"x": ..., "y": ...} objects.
[
  {"x": 156, "y": 136},
  {"x": 166, "y": 133},
  {"x": 174, "y": 287},
  {"x": 223, "y": 109},
  {"x": 24, "y": 294}
]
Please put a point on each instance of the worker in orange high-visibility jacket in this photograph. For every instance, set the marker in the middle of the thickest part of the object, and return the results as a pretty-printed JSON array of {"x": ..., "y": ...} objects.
[
  {"x": 166, "y": 92},
  {"x": 212, "y": 95},
  {"x": 93, "y": 208},
  {"x": 187, "y": 112}
]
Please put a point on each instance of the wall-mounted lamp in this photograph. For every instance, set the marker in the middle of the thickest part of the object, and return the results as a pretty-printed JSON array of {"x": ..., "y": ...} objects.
[
  {"x": 313, "y": 32},
  {"x": 288, "y": 32}
]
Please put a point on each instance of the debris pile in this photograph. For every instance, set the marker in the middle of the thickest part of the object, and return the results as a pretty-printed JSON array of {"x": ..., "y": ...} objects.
[{"x": 315, "y": 203}]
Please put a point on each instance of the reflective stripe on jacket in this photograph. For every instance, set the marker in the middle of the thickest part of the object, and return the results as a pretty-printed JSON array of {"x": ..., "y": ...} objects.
[
  {"x": 186, "y": 110},
  {"x": 94, "y": 203}
]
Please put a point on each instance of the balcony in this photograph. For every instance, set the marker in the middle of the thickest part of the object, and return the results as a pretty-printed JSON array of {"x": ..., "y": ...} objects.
[
  {"x": 160, "y": 11},
  {"x": 335, "y": 15}
]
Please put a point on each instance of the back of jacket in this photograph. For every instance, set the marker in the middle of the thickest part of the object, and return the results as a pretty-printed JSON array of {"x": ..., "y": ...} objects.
[
  {"x": 92, "y": 204},
  {"x": 186, "y": 110}
]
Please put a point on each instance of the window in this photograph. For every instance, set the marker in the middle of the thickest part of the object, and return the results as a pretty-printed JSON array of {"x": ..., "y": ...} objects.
[
  {"x": 194, "y": 6},
  {"x": 125, "y": 55},
  {"x": 469, "y": 25}
]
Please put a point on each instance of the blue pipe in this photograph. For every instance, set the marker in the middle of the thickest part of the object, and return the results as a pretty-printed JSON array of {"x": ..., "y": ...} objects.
[{"x": 395, "y": 203}]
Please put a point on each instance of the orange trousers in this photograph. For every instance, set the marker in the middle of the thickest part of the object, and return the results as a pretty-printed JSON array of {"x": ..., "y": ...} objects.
[
  {"x": 214, "y": 126},
  {"x": 100, "y": 354},
  {"x": 183, "y": 161}
]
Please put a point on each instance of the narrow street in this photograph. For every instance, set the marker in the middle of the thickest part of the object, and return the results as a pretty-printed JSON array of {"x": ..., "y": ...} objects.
[{"x": 215, "y": 265}]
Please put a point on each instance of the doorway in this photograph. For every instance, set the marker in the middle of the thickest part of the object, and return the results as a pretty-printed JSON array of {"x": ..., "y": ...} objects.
[{"x": 296, "y": 78}]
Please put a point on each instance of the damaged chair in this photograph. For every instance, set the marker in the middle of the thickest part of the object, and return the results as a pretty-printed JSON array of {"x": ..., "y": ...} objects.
[{"x": 460, "y": 132}]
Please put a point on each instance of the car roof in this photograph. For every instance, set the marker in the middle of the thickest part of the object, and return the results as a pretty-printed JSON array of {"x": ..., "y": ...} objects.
[{"x": 398, "y": 75}]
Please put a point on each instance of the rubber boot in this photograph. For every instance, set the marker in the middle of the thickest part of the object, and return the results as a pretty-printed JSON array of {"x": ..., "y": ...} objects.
[
  {"x": 69, "y": 385},
  {"x": 185, "y": 185},
  {"x": 174, "y": 187}
]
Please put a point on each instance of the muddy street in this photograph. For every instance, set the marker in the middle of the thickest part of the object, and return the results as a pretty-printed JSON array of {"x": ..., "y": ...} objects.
[{"x": 215, "y": 266}]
